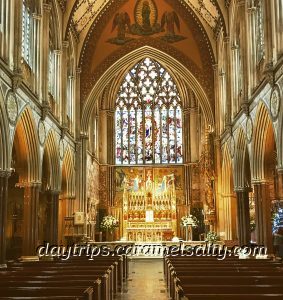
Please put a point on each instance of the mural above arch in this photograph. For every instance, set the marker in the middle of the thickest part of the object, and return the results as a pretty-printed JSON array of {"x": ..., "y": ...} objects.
[
  {"x": 155, "y": 20},
  {"x": 129, "y": 25}
]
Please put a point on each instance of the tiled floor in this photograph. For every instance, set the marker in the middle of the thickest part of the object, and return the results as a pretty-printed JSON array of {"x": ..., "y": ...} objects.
[{"x": 145, "y": 281}]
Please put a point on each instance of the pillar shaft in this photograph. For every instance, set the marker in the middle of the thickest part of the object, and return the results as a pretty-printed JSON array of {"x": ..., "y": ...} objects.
[
  {"x": 243, "y": 215},
  {"x": 263, "y": 215},
  {"x": 30, "y": 225},
  {"x": 3, "y": 213}
]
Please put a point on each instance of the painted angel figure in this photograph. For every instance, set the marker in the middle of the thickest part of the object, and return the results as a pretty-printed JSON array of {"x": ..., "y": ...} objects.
[
  {"x": 122, "y": 22},
  {"x": 170, "y": 19}
]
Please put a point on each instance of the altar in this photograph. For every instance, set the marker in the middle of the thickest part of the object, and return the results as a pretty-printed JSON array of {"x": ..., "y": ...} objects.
[{"x": 149, "y": 209}]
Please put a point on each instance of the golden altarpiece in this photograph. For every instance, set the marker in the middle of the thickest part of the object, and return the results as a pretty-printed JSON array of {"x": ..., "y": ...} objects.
[
  {"x": 155, "y": 173},
  {"x": 149, "y": 209}
]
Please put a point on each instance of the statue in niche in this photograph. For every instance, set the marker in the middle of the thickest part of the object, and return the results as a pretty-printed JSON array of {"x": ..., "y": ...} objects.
[{"x": 148, "y": 183}]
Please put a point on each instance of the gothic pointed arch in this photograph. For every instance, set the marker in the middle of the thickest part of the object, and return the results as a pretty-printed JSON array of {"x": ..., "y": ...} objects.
[
  {"x": 263, "y": 127},
  {"x": 227, "y": 206},
  {"x": 4, "y": 136},
  {"x": 27, "y": 144},
  {"x": 51, "y": 157},
  {"x": 241, "y": 161},
  {"x": 131, "y": 59}
]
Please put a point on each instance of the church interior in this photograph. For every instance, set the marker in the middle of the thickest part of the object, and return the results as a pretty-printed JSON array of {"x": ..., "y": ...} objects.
[{"x": 133, "y": 122}]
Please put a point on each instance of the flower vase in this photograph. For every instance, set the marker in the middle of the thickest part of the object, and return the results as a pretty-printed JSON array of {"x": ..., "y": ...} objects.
[
  {"x": 109, "y": 236},
  {"x": 188, "y": 232}
]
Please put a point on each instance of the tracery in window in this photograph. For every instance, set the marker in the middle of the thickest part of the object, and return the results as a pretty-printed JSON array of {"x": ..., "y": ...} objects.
[
  {"x": 26, "y": 34},
  {"x": 148, "y": 117}
]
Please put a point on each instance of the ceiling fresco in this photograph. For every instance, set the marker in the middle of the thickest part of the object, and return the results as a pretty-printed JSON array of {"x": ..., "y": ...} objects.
[
  {"x": 127, "y": 25},
  {"x": 145, "y": 20},
  {"x": 85, "y": 11}
]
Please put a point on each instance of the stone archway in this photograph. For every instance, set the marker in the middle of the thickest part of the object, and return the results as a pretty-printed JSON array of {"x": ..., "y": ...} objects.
[
  {"x": 66, "y": 198},
  {"x": 264, "y": 174},
  {"x": 242, "y": 181},
  {"x": 228, "y": 206},
  {"x": 24, "y": 185},
  {"x": 4, "y": 175},
  {"x": 49, "y": 194}
]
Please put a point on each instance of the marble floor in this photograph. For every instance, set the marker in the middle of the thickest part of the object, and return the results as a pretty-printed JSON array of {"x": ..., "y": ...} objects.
[{"x": 145, "y": 282}]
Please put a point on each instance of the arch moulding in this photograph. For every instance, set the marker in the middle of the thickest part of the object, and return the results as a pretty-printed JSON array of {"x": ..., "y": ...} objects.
[{"x": 129, "y": 60}]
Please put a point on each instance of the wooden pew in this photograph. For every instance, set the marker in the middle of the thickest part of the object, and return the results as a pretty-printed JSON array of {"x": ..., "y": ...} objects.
[
  {"x": 194, "y": 278},
  {"x": 75, "y": 278}
]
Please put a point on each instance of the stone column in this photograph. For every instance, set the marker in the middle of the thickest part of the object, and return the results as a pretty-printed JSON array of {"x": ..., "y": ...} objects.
[
  {"x": 36, "y": 53},
  {"x": 45, "y": 53},
  {"x": 280, "y": 182},
  {"x": 243, "y": 216},
  {"x": 57, "y": 81},
  {"x": 4, "y": 175},
  {"x": 251, "y": 48},
  {"x": 64, "y": 84},
  {"x": 18, "y": 10},
  {"x": 234, "y": 81},
  {"x": 228, "y": 79},
  {"x": 82, "y": 180},
  {"x": 270, "y": 34},
  {"x": 263, "y": 215},
  {"x": 77, "y": 102},
  {"x": 30, "y": 224},
  {"x": 217, "y": 104},
  {"x": 53, "y": 211}
]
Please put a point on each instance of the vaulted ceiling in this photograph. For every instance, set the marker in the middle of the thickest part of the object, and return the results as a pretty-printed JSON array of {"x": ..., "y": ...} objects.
[
  {"x": 80, "y": 15},
  {"x": 92, "y": 23}
]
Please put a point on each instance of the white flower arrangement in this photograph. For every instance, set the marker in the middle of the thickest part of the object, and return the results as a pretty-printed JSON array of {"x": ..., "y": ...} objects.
[
  {"x": 109, "y": 223},
  {"x": 189, "y": 220},
  {"x": 212, "y": 237}
]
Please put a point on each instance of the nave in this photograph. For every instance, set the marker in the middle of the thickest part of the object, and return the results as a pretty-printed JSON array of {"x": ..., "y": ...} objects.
[{"x": 124, "y": 278}]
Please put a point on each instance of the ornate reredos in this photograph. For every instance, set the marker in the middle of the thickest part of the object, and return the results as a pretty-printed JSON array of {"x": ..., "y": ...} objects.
[{"x": 175, "y": 28}]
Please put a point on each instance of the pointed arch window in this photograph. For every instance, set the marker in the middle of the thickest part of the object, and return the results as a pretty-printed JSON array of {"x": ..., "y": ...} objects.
[
  {"x": 26, "y": 34},
  {"x": 148, "y": 117}
]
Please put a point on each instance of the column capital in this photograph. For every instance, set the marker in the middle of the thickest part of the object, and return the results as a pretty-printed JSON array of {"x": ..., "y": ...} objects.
[
  {"x": 31, "y": 184},
  {"x": 239, "y": 189},
  {"x": 235, "y": 47},
  {"x": 215, "y": 66},
  {"x": 259, "y": 181},
  {"x": 84, "y": 136},
  {"x": 57, "y": 52},
  {"x": 5, "y": 173},
  {"x": 65, "y": 44},
  {"x": 227, "y": 39},
  {"x": 47, "y": 7},
  {"x": 36, "y": 16},
  {"x": 279, "y": 169},
  {"x": 54, "y": 192},
  {"x": 252, "y": 9}
]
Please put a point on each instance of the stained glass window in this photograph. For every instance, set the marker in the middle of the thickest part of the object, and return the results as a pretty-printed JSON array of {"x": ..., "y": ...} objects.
[{"x": 148, "y": 117}]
